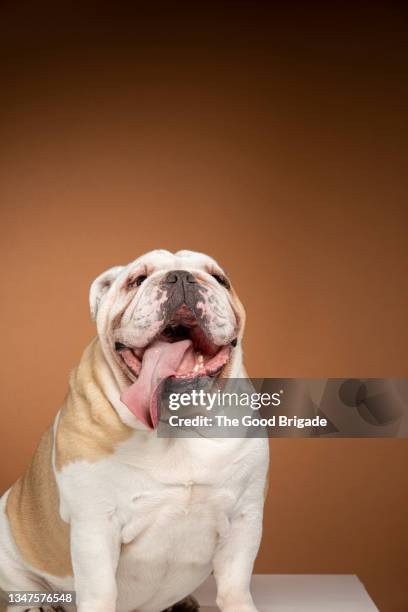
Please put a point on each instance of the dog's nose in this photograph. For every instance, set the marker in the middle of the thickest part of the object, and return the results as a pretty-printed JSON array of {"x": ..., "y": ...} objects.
[{"x": 179, "y": 276}]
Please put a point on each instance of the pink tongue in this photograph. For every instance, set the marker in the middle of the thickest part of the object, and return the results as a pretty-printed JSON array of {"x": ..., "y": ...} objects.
[{"x": 161, "y": 360}]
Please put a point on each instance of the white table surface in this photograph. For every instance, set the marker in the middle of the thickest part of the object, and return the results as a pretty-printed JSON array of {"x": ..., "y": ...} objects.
[{"x": 299, "y": 593}]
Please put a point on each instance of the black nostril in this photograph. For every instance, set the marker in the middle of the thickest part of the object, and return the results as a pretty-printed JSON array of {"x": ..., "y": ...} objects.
[
  {"x": 119, "y": 346},
  {"x": 171, "y": 277},
  {"x": 181, "y": 276}
]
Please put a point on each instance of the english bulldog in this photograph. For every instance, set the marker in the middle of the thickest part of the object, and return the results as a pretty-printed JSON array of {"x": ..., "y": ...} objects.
[{"x": 127, "y": 519}]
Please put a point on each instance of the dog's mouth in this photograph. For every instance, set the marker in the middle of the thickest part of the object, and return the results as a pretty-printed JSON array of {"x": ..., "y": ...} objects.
[
  {"x": 181, "y": 350},
  {"x": 201, "y": 357}
]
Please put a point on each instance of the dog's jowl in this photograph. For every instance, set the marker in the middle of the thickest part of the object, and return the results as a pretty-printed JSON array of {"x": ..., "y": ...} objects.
[{"x": 126, "y": 519}]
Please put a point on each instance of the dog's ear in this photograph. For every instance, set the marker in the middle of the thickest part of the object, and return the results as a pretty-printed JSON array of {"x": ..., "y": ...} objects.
[{"x": 100, "y": 285}]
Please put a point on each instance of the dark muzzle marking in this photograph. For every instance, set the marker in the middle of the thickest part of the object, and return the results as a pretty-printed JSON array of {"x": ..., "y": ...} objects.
[{"x": 182, "y": 289}]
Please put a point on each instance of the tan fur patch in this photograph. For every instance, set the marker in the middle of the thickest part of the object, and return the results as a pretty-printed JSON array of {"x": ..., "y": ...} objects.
[
  {"x": 241, "y": 316},
  {"x": 266, "y": 488},
  {"x": 89, "y": 427},
  {"x": 239, "y": 309},
  {"x": 33, "y": 512}
]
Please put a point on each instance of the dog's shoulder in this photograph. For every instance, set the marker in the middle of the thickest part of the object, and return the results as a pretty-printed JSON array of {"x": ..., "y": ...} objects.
[{"x": 88, "y": 428}]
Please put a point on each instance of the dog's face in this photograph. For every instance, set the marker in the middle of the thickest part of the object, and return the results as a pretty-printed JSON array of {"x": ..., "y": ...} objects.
[{"x": 166, "y": 315}]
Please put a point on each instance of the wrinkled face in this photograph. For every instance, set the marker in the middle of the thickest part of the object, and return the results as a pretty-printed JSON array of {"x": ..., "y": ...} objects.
[{"x": 166, "y": 315}]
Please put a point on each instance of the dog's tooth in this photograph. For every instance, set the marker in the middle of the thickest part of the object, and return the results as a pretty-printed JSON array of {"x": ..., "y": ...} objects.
[{"x": 199, "y": 362}]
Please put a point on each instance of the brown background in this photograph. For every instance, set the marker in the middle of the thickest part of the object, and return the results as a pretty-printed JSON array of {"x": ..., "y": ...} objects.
[{"x": 274, "y": 142}]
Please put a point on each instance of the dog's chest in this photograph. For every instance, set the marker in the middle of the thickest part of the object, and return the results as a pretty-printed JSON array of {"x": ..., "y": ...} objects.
[
  {"x": 178, "y": 510},
  {"x": 169, "y": 535},
  {"x": 182, "y": 522}
]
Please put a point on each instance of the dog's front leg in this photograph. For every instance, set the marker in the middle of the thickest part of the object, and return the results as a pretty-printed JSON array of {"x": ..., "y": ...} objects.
[
  {"x": 95, "y": 548},
  {"x": 234, "y": 559}
]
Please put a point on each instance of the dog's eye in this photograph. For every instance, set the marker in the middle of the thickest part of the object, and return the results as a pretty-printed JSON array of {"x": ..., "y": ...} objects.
[
  {"x": 136, "y": 282},
  {"x": 222, "y": 280}
]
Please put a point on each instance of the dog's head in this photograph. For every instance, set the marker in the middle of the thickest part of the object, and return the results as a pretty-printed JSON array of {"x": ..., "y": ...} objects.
[{"x": 166, "y": 315}]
